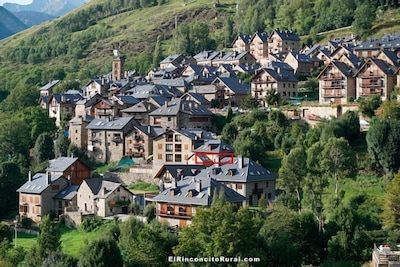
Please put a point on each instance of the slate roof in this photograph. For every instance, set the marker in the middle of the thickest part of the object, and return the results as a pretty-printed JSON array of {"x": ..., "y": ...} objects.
[
  {"x": 312, "y": 49},
  {"x": 106, "y": 124},
  {"x": 392, "y": 56},
  {"x": 184, "y": 169},
  {"x": 284, "y": 75},
  {"x": 96, "y": 186},
  {"x": 38, "y": 183},
  {"x": 72, "y": 98},
  {"x": 214, "y": 145},
  {"x": 177, "y": 105},
  {"x": 203, "y": 197},
  {"x": 170, "y": 58},
  {"x": 341, "y": 66},
  {"x": 250, "y": 171},
  {"x": 262, "y": 35},
  {"x": 234, "y": 84},
  {"x": 79, "y": 119},
  {"x": 285, "y": 35},
  {"x": 301, "y": 58},
  {"x": 141, "y": 107},
  {"x": 68, "y": 193},
  {"x": 196, "y": 96},
  {"x": 177, "y": 82},
  {"x": 246, "y": 68},
  {"x": 60, "y": 164},
  {"x": 204, "y": 89},
  {"x": 128, "y": 99},
  {"x": 244, "y": 37},
  {"x": 150, "y": 130},
  {"x": 385, "y": 42},
  {"x": 276, "y": 64},
  {"x": 147, "y": 90},
  {"x": 49, "y": 85}
]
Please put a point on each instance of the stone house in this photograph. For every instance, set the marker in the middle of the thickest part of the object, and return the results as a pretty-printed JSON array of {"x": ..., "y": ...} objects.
[
  {"x": 36, "y": 195},
  {"x": 241, "y": 43},
  {"x": 103, "y": 198},
  {"x": 96, "y": 86},
  {"x": 234, "y": 90},
  {"x": 177, "y": 204},
  {"x": 300, "y": 63},
  {"x": 283, "y": 41},
  {"x": 244, "y": 176},
  {"x": 181, "y": 113},
  {"x": 336, "y": 84},
  {"x": 174, "y": 60},
  {"x": 375, "y": 77},
  {"x": 139, "y": 142},
  {"x": 62, "y": 106},
  {"x": 259, "y": 46},
  {"x": 281, "y": 80},
  {"x": 106, "y": 138}
]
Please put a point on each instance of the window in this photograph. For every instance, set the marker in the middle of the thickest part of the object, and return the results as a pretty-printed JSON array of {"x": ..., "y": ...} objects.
[
  {"x": 159, "y": 156},
  {"x": 157, "y": 120},
  {"x": 239, "y": 186},
  {"x": 168, "y": 147},
  {"x": 284, "y": 85},
  {"x": 186, "y": 147},
  {"x": 178, "y": 138},
  {"x": 266, "y": 184},
  {"x": 170, "y": 137},
  {"x": 178, "y": 158},
  {"x": 269, "y": 195},
  {"x": 159, "y": 146},
  {"x": 178, "y": 147},
  {"x": 169, "y": 118},
  {"x": 169, "y": 158}
]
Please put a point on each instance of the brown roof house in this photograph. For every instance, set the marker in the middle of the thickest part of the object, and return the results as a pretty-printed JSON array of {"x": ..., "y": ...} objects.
[
  {"x": 336, "y": 84},
  {"x": 177, "y": 204},
  {"x": 71, "y": 167}
]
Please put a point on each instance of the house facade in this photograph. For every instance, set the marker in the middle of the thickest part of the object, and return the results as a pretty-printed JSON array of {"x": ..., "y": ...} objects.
[
  {"x": 259, "y": 46},
  {"x": 106, "y": 138},
  {"x": 283, "y": 41},
  {"x": 336, "y": 84},
  {"x": 103, "y": 198},
  {"x": 177, "y": 204},
  {"x": 36, "y": 195},
  {"x": 375, "y": 77}
]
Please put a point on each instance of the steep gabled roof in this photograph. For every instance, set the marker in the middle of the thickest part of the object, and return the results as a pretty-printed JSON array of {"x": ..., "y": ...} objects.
[
  {"x": 182, "y": 169},
  {"x": 342, "y": 67},
  {"x": 234, "y": 84},
  {"x": 244, "y": 37},
  {"x": 38, "y": 183},
  {"x": 60, "y": 164},
  {"x": 107, "y": 124},
  {"x": 197, "y": 191},
  {"x": 49, "y": 85},
  {"x": 281, "y": 75},
  {"x": 262, "y": 35},
  {"x": 285, "y": 35},
  {"x": 68, "y": 193},
  {"x": 101, "y": 188},
  {"x": 177, "y": 105}
]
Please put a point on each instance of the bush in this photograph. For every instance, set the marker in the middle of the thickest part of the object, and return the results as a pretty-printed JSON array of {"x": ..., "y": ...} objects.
[
  {"x": 149, "y": 212},
  {"x": 91, "y": 223}
]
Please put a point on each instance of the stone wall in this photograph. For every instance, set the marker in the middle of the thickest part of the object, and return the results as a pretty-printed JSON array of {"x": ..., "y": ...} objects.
[{"x": 135, "y": 174}]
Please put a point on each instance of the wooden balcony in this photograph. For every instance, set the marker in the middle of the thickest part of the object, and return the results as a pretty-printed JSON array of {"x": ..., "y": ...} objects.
[{"x": 173, "y": 214}]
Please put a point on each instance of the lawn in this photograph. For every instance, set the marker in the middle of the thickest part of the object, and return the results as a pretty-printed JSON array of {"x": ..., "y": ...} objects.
[
  {"x": 143, "y": 187},
  {"x": 72, "y": 241}
]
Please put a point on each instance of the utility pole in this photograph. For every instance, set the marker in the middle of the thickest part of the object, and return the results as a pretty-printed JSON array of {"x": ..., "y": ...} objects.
[{"x": 15, "y": 231}]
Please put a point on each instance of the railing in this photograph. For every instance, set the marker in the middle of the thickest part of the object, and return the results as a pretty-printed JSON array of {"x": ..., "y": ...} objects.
[
  {"x": 257, "y": 191},
  {"x": 183, "y": 215}
]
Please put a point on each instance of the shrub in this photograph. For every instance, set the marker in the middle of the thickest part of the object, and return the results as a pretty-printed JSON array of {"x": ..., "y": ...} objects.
[{"x": 92, "y": 223}]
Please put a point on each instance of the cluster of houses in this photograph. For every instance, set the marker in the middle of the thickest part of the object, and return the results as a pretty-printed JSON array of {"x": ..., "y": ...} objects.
[{"x": 164, "y": 120}]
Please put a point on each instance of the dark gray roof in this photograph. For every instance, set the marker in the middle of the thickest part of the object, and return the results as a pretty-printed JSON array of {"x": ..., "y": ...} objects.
[
  {"x": 279, "y": 74},
  {"x": 247, "y": 68},
  {"x": 60, "y": 164},
  {"x": 68, "y": 193},
  {"x": 214, "y": 145},
  {"x": 313, "y": 49},
  {"x": 382, "y": 65},
  {"x": 177, "y": 105},
  {"x": 177, "y": 82},
  {"x": 49, "y": 85},
  {"x": 196, "y": 96},
  {"x": 63, "y": 98},
  {"x": 38, "y": 183},
  {"x": 170, "y": 58},
  {"x": 279, "y": 65},
  {"x": 234, "y": 84},
  {"x": 141, "y": 107},
  {"x": 150, "y": 130},
  {"x": 181, "y": 169},
  {"x": 147, "y": 90},
  {"x": 249, "y": 171},
  {"x": 106, "y": 124},
  {"x": 262, "y": 35},
  {"x": 207, "y": 55},
  {"x": 96, "y": 186},
  {"x": 128, "y": 99},
  {"x": 392, "y": 56},
  {"x": 301, "y": 58},
  {"x": 385, "y": 42},
  {"x": 202, "y": 197},
  {"x": 244, "y": 37},
  {"x": 286, "y": 35}
]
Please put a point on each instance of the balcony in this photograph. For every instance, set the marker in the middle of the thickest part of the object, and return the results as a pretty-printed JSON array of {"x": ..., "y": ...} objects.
[
  {"x": 173, "y": 214},
  {"x": 331, "y": 77},
  {"x": 119, "y": 203},
  {"x": 257, "y": 191},
  {"x": 117, "y": 139}
]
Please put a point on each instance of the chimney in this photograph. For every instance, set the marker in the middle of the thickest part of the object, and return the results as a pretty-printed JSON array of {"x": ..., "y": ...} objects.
[
  {"x": 198, "y": 185},
  {"x": 209, "y": 190},
  {"x": 174, "y": 182},
  {"x": 166, "y": 103},
  {"x": 149, "y": 129},
  {"x": 48, "y": 176},
  {"x": 30, "y": 176},
  {"x": 161, "y": 185},
  {"x": 69, "y": 180},
  {"x": 104, "y": 190},
  {"x": 240, "y": 162}
]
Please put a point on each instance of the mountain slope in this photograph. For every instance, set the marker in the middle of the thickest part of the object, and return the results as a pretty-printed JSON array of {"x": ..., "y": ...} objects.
[
  {"x": 9, "y": 23},
  {"x": 53, "y": 7},
  {"x": 30, "y": 18}
]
